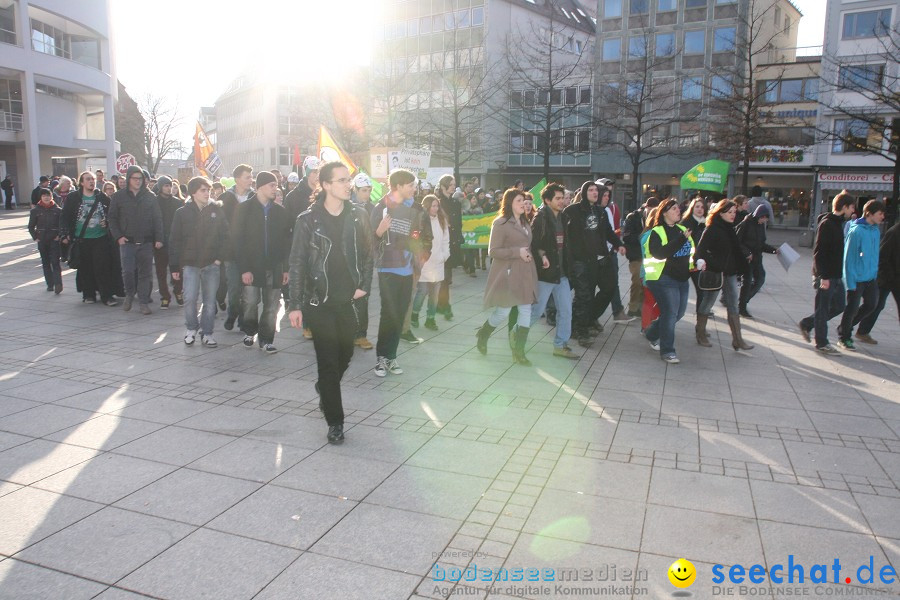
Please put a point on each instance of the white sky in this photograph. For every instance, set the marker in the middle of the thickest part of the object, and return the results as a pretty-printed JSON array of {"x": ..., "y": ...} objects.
[{"x": 190, "y": 50}]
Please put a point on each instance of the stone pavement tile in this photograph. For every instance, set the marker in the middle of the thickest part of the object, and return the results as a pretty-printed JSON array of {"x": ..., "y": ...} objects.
[
  {"x": 852, "y": 425},
  {"x": 741, "y": 394},
  {"x": 653, "y": 437},
  {"x": 9, "y": 406},
  {"x": 746, "y": 448},
  {"x": 806, "y": 505},
  {"x": 8, "y": 440},
  {"x": 229, "y": 420},
  {"x": 886, "y": 410},
  {"x": 708, "y": 537},
  {"x": 699, "y": 390},
  {"x": 587, "y": 519},
  {"x": 693, "y": 407},
  {"x": 51, "y": 390},
  {"x": 838, "y": 406},
  {"x": 849, "y": 461},
  {"x": 174, "y": 445},
  {"x": 112, "y": 593},
  {"x": 615, "y": 398},
  {"x": 11, "y": 379},
  {"x": 768, "y": 415},
  {"x": 388, "y": 445},
  {"x": 294, "y": 430},
  {"x": 43, "y": 420},
  {"x": 209, "y": 564},
  {"x": 461, "y": 456},
  {"x": 539, "y": 552},
  {"x": 336, "y": 475},
  {"x": 881, "y": 513},
  {"x": 655, "y": 568},
  {"x": 285, "y": 388},
  {"x": 438, "y": 493},
  {"x": 189, "y": 496},
  {"x": 186, "y": 374},
  {"x": 105, "y": 478},
  {"x": 313, "y": 577},
  {"x": 106, "y": 399},
  {"x": 571, "y": 427},
  {"x": 163, "y": 410},
  {"x": 30, "y": 515},
  {"x": 428, "y": 407},
  {"x": 105, "y": 432},
  {"x": 600, "y": 478},
  {"x": 389, "y": 538},
  {"x": 22, "y": 581},
  {"x": 813, "y": 545},
  {"x": 8, "y": 488},
  {"x": 626, "y": 382},
  {"x": 363, "y": 399},
  {"x": 37, "y": 459},
  {"x": 110, "y": 364},
  {"x": 701, "y": 491},
  {"x": 251, "y": 459},
  {"x": 497, "y": 417},
  {"x": 235, "y": 382},
  {"x": 889, "y": 461},
  {"x": 107, "y": 545},
  {"x": 451, "y": 379},
  {"x": 283, "y": 516}
]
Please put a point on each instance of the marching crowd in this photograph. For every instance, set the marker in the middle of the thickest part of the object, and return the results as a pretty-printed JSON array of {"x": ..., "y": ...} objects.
[{"x": 318, "y": 241}]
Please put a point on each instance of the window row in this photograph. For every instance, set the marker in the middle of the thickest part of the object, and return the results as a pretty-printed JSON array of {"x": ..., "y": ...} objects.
[
  {"x": 856, "y": 135},
  {"x": 778, "y": 91},
  {"x": 560, "y": 140},
  {"x": 564, "y": 42},
  {"x": 615, "y": 8},
  {"x": 870, "y": 23},
  {"x": 50, "y": 40},
  {"x": 664, "y": 44},
  {"x": 458, "y": 19},
  {"x": 861, "y": 78},
  {"x": 10, "y": 96},
  {"x": 557, "y": 96}
]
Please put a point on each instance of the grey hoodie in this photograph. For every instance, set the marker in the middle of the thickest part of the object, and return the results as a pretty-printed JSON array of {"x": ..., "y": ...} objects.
[{"x": 137, "y": 218}]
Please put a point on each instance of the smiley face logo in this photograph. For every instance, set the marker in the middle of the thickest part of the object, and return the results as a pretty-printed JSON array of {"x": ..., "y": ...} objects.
[{"x": 682, "y": 573}]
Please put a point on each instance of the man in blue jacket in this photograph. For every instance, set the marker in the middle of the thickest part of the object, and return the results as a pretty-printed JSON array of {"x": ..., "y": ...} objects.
[{"x": 861, "y": 270}]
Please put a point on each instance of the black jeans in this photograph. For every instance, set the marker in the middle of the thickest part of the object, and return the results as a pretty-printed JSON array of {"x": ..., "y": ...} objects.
[
  {"x": 616, "y": 298},
  {"x": 829, "y": 304},
  {"x": 608, "y": 284},
  {"x": 753, "y": 279},
  {"x": 96, "y": 272},
  {"x": 333, "y": 328},
  {"x": 362, "y": 316},
  {"x": 868, "y": 322},
  {"x": 49, "y": 250},
  {"x": 584, "y": 278},
  {"x": 396, "y": 294},
  {"x": 865, "y": 292}
]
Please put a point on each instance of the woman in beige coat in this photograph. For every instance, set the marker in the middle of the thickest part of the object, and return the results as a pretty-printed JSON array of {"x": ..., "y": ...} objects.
[{"x": 512, "y": 280}]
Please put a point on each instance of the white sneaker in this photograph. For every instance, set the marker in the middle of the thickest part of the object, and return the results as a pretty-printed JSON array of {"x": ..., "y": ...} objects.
[
  {"x": 655, "y": 345},
  {"x": 394, "y": 368},
  {"x": 189, "y": 336},
  {"x": 208, "y": 341},
  {"x": 381, "y": 366},
  {"x": 671, "y": 359}
]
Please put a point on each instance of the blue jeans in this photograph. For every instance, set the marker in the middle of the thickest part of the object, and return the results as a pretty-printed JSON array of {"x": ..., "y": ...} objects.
[
  {"x": 829, "y": 304},
  {"x": 707, "y": 299},
  {"x": 672, "y": 298},
  {"x": 426, "y": 289},
  {"x": 197, "y": 281},
  {"x": 501, "y": 313},
  {"x": 562, "y": 295},
  {"x": 263, "y": 324},
  {"x": 139, "y": 258}
]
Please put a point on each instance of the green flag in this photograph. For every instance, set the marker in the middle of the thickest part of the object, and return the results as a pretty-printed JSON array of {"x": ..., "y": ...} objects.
[
  {"x": 711, "y": 176},
  {"x": 378, "y": 191},
  {"x": 537, "y": 189}
]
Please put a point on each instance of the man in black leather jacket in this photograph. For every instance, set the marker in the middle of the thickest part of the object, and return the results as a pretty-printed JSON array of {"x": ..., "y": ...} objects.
[{"x": 330, "y": 268}]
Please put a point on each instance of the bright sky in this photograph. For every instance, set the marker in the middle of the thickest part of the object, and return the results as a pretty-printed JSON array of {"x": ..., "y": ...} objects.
[{"x": 191, "y": 50}]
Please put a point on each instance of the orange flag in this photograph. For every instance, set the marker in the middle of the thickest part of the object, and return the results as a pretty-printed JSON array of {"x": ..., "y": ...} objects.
[{"x": 329, "y": 150}]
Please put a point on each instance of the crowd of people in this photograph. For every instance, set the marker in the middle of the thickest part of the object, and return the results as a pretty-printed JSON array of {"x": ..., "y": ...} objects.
[{"x": 317, "y": 242}]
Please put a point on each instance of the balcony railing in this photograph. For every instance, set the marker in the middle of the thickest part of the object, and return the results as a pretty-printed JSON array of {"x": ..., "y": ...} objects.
[{"x": 11, "y": 121}]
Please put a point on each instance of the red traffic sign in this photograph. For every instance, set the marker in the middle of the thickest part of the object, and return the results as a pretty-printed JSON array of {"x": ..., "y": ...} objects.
[{"x": 124, "y": 161}]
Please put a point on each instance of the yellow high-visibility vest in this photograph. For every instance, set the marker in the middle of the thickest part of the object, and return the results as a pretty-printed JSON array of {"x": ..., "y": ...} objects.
[{"x": 653, "y": 267}]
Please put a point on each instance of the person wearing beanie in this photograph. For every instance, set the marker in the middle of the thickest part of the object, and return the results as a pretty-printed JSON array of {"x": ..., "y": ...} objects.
[
  {"x": 752, "y": 234},
  {"x": 168, "y": 204},
  {"x": 361, "y": 197}
]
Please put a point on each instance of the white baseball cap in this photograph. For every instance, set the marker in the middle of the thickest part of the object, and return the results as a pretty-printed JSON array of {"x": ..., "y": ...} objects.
[
  {"x": 310, "y": 163},
  {"x": 293, "y": 178},
  {"x": 362, "y": 180}
]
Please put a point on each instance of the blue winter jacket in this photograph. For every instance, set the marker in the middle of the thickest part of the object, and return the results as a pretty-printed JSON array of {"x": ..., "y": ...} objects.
[{"x": 861, "y": 253}]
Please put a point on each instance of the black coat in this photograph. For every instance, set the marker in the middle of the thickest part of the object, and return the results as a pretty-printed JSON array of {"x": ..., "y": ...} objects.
[
  {"x": 543, "y": 243},
  {"x": 828, "y": 249},
  {"x": 43, "y": 223},
  {"x": 69, "y": 218},
  {"x": 752, "y": 234},
  {"x": 577, "y": 225},
  {"x": 720, "y": 248},
  {"x": 889, "y": 259},
  {"x": 250, "y": 233},
  {"x": 136, "y": 218},
  {"x": 198, "y": 238},
  {"x": 297, "y": 200},
  {"x": 453, "y": 209},
  {"x": 631, "y": 234}
]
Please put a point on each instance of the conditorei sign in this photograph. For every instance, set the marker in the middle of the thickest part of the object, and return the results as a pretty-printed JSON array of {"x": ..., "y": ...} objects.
[{"x": 845, "y": 178}]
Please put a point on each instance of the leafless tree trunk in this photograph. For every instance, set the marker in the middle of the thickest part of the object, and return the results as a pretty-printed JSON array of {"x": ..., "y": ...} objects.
[{"x": 161, "y": 122}]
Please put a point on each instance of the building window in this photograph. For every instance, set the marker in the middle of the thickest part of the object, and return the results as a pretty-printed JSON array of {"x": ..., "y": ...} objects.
[
  {"x": 694, "y": 3},
  {"x": 718, "y": 2},
  {"x": 871, "y": 23},
  {"x": 612, "y": 49},
  {"x": 8, "y": 24},
  {"x": 412, "y": 27},
  {"x": 665, "y": 5},
  {"x": 775, "y": 91},
  {"x": 571, "y": 95},
  {"x": 50, "y": 40},
  {"x": 692, "y": 89},
  {"x": 854, "y": 135},
  {"x": 477, "y": 16},
  {"x": 612, "y": 8},
  {"x": 861, "y": 77},
  {"x": 637, "y": 46},
  {"x": 585, "y": 95},
  {"x": 695, "y": 42},
  {"x": 721, "y": 87},
  {"x": 425, "y": 25},
  {"x": 10, "y": 99},
  {"x": 639, "y": 7},
  {"x": 665, "y": 44},
  {"x": 634, "y": 90},
  {"x": 723, "y": 39},
  {"x": 284, "y": 155}
]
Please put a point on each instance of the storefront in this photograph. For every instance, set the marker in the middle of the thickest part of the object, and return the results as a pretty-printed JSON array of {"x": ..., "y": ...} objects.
[
  {"x": 864, "y": 186},
  {"x": 787, "y": 180}
]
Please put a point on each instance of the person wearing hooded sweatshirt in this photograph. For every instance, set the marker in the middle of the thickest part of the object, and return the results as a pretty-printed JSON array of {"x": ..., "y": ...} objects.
[
  {"x": 888, "y": 281},
  {"x": 231, "y": 199},
  {"x": 587, "y": 233},
  {"x": 168, "y": 204},
  {"x": 752, "y": 234},
  {"x": 135, "y": 223},
  {"x": 299, "y": 199},
  {"x": 453, "y": 209},
  {"x": 43, "y": 226},
  {"x": 861, "y": 270}
]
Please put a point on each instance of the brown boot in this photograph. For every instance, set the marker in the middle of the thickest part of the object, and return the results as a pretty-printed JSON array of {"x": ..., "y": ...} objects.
[
  {"x": 519, "y": 350},
  {"x": 737, "y": 341},
  {"x": 482, "y": 335},
  {"x": 700, "y": 330}
]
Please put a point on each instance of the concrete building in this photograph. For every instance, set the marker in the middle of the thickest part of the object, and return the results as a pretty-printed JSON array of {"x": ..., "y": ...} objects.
[
  {"x": 57, "y": 90},
  {"x": 693, "y": 47},
  {"x": 858, "y": 65}
]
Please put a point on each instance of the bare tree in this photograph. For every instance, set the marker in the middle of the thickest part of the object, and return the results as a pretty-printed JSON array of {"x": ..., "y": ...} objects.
[
  {"x": 544, "y": 59},
  {"x": 637, "y": 115},
  {"x": 161, "y": 123},
  {"x": 393, "y": 94},
  {"x": 865, "y": 98}
]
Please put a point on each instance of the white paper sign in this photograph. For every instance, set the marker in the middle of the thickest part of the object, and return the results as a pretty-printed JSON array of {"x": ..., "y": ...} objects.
[{"x": 787, "y": 256}]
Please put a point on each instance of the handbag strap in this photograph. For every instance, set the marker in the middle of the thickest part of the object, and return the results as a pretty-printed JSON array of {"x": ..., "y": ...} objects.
[{"x": 87, "y": 219}]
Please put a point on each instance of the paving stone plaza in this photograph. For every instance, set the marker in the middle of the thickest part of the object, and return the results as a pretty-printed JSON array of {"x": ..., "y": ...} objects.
[{"x": 133, "y": 466}]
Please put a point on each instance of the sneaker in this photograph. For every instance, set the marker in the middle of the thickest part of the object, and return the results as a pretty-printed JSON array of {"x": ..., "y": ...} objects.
[
  {"x": 94, "y": 301},
  {"x": 222, "y": 306},
  {"x": 829, "y": 350},
  {"x": 49, "y": 288},
  {"x": 671, "y": 359},
  {"x": 248, "y": 341},
  {"x": 270, "y": 348},
  {"x": 621, "y": 317},
  {"x": 335, "y": 434},
  {"x": 805, "y": 333},
  {"x": 393, "y": 367},
  {"x": 208, "y": 341},
  {"x": 414, "y": 321},
  {"x": 164, "y": 304},
  {"x": 565, "y": 352},
  {"x": 363, "y": 343},
  {"x": 409, "y": 336},
  {"x": 634, "y": 313},
  {"x": 431, "y": 325},
  {"x": 128, "y": 301},
  {"x": 847, "y": 345},
  {"x": 655, "y": 345},
  {"x": 743, "y": 312},
  {"x": 145, "y": 310},
  {"x": 189, "y": 336},
  {"x": 381, "y": 366},
  {"x": 865, "y": 338},
  {"x": 585, "y": 341},
  {"x": 111, "y": 302},
  {"x": 179, "y": 298},
  {"x": 229, "y": 323}
]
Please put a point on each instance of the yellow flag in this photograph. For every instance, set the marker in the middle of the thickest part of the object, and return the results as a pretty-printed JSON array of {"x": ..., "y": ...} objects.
[
  {"x": 206, "y": 160},
  {"x": 329, "y": 150}
]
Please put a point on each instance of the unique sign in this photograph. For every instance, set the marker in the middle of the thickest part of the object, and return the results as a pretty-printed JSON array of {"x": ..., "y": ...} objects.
[{"x": 845, "y": 178}]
